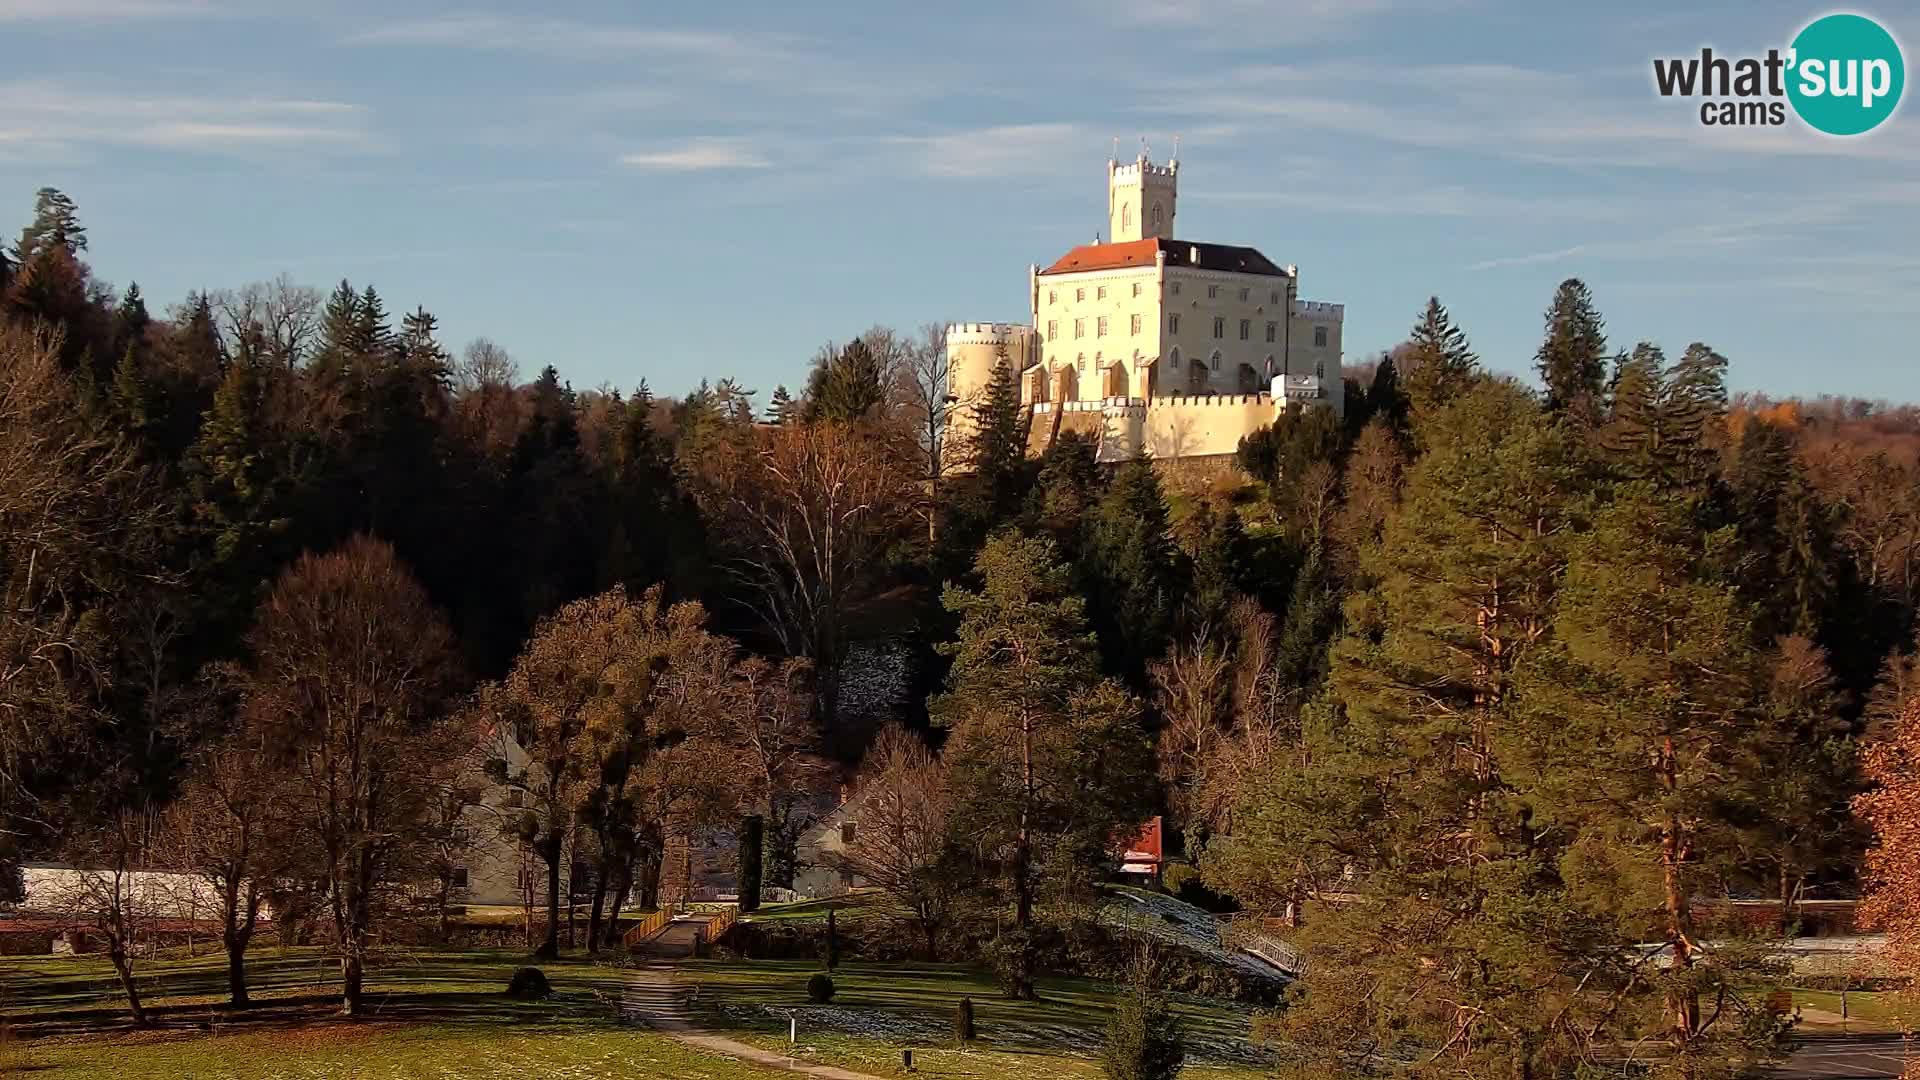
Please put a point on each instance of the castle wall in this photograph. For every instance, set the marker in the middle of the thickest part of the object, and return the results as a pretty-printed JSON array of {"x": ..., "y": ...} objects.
[{"x": 1170, "y": 429}]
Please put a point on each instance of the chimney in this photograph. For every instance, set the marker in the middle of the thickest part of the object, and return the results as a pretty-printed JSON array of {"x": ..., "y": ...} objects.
[{"x": 1193, "y": 254}]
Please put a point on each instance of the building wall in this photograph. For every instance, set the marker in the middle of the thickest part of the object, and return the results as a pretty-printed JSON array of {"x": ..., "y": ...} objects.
[
  {"x": 1142, "y": 199},
  {"x": 1078, "y": 366}
]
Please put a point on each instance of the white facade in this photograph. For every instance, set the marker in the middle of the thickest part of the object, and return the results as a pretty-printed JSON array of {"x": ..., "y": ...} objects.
[{"x": 1134, "y": 331}]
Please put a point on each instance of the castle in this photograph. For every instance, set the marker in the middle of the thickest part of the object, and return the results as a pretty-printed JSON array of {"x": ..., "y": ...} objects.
[{"x": 1174, "y": 347}]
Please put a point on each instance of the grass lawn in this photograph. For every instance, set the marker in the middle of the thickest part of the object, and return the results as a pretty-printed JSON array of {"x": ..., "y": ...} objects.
[
  {"x": 852, "y": 907},
  {"x": 442, "y": 1013},
  {"x": 1865, "y": 1011},
  {"x": 878, "y": 1010}
]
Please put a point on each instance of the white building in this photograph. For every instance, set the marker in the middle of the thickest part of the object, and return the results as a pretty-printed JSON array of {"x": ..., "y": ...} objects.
[{"x": 1147, "y": 342}]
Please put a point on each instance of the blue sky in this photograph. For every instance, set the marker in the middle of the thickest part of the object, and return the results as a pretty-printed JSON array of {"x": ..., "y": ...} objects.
[{"x": 687, "y": 191}]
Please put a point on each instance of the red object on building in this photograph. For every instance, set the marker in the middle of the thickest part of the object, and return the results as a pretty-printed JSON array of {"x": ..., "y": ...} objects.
[{"x": 1143, "y": 853}]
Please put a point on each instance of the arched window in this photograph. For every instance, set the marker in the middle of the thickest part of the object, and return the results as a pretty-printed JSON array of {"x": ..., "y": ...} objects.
[
  {"x": 1173, "y": 358},
  {"x": 1126, "y": 216},
  {"x": 1156, "y": 217},
  {"x": 1215, "y": 360}
]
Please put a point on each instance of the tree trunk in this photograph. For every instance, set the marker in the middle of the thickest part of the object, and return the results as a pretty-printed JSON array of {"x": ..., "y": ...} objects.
[
  {"x": 550, "y": 949},
  {"x": 237, "y": 971},
  {"x": 123, "y": 967},
  {"x": 1683, "y": 999},
  {"x": 619, "y": 901},
  {"x": 353, "y": 973},
  {"x": 599, "y": 908}
]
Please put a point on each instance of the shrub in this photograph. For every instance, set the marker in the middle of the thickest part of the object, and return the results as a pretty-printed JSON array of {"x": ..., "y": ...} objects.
[
  {"x": 963, "y": 1020},
  {"x": 1143, "y": 1039},
  {"x": 529, "y": 982},
  {"x": 820, "y": 988}
]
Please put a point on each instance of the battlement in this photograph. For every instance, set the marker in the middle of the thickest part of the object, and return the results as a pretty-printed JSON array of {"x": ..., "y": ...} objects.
[
  {"x": 986, "y": 333},
  {"x": 1321, "y": 309},
  {"x": 1147, "y": 168}
]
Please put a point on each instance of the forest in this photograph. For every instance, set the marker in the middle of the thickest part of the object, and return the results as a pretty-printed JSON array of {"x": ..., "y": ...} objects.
[{"x": 1482, "y": 690}]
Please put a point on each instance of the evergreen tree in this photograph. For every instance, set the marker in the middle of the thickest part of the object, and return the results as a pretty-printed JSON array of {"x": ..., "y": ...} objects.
[
  {"x": 1437, "y": 362},
  {"x": 1066, "y": 492},
  {"x": 1792, "y": 565},
  {"x": 997, "y": 448},
  {"x": 1047, "y": 759},
  {"x": 1217, "y": 550},
  {"x": 782, "y": 408},
  {"x": 1134, "y": 574},
  {"x": 127, "y": 401},
  {"x": 1572, "y": 360},
  {"x": 1662, "y": 415},
  {"x": 56, "y": 223},
  {"x": 340, "y": 326},
  {"x": 238, "y": 480},
  {"x": 130, "y": 322},
  {"x": 847, "y": 385}
]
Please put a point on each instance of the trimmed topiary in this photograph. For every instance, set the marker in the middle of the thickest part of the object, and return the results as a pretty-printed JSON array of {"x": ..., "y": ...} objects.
[
  {"x": 963, "y": 1020},
  {"x": 820, "y": 988}
]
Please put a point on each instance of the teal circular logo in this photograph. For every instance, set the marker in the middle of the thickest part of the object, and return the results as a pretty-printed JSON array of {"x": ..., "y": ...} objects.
[{"x": 1846, "y": 74}]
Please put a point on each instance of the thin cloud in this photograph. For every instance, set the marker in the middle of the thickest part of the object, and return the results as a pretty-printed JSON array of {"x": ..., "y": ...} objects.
[
  {"x": 699, "y": 155},
  {"x": 1004, "y": 150},
  {"x": 569, "y": 38},
  {"x": 53, "y": 118},
  {"x": 20, "y": 11}
]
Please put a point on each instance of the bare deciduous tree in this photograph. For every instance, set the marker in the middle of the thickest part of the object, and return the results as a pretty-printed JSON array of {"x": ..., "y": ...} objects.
[
  {"x": 278, "y": 317},
  {"x": 812, "y": 513},
  {"x": 902, "y": 838},
  {"x": 351, "y": 669}
]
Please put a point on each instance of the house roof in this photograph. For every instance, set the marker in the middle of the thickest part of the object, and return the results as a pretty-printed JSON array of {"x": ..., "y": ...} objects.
[{"x": 1228, "y": 257}]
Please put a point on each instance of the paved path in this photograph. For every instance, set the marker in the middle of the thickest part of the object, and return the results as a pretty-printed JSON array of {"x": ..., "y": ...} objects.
[
  {"x": 1845, "y": 1057},
  {"x": 653, "y": 997}
]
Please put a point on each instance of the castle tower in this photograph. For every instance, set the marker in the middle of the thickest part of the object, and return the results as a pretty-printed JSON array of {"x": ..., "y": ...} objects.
[
  {"x": 973, "y": 351},
  {"x": 1141, "y": 198}
]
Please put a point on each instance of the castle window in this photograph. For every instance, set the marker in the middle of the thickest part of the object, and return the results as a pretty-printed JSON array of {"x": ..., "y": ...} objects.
[
  {"x": 1246, "y": 328},
  {"x": 1274, "y": 296},
  {"x": 1176, "y": 288},
  {"x": 1156, "y": 217},
  {"x": 1080, "y": 362},
  {"x": 1126, "y": 216},
  {"x": 848, "y": 830},
  {"x": 1319, "y": 337},
  {"x": 1243, "y": 296},
  {"x": 1079, "y": 329},
  {"x": 1136, "y": 288},
  {"x": 1272, "y": 328},
  {"x": 1079, "y": 294},
  {"x": 1173, "y": 324},
  {"x": 1136, "y": 323},
  {"x": 1100, "y": 293},
  {"x": 1053, "y": 329},
  {"x": 1216, "y": 360},
  {"x": 1319, "y": 369},
  {"x": 458, "y": 879},
  {"x": 1219, "y": 327},
  {"x": 1053, "y": 296},
  {"x": 1173, "y": 359},
  {"x": 1213, "y": 292},
  {"x": 1100, "y": 327}
]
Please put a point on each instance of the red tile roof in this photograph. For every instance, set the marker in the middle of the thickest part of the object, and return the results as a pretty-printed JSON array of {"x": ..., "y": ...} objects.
[{"x": 1228, "y": 257}]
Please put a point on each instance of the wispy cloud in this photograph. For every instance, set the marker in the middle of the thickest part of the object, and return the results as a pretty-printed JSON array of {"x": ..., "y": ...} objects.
[
  {"x": 12, "y": 11},
  {"x": 700, "y": 154},
  {"x": 52, "y": 119},
  {"x": 1237, "y": 21},
  {"x": 570, "y": 38},
  {"x": 1004, "y": 150}
]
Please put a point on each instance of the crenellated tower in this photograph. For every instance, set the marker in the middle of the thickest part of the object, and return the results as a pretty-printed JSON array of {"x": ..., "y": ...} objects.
[{"x": 1141, "y": 199}]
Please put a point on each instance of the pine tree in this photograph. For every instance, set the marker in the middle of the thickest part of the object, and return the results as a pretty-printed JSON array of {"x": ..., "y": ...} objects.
[
  {"x": 1572, "y": 360},
  {"x": 1134, "y": 573},
  {"x": 237, "y": 480},
  {"x": 130, "y": 322},
  {"x": 1662, "y": 415},
  {"x": 56, "y": 223},
  {"x": 335, "y": 358},
  {"x": 1217, "y": 550},
  {"x": 1047, "y": 759},
  {"x": 997, "y": 450},
  {"x": 782, "y": 408},
  {"x": 127, "y": 402},
  {"x": 1437, "y": 362},
  {"x": 1066, "y": 492},
  {"x": 847, "y": 385}
]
